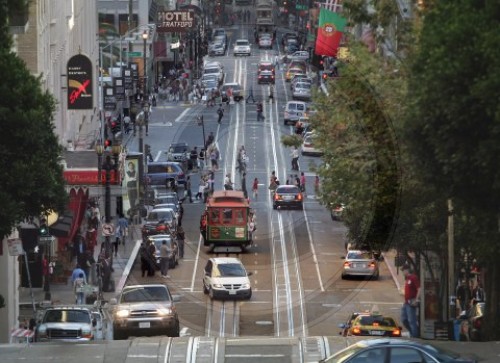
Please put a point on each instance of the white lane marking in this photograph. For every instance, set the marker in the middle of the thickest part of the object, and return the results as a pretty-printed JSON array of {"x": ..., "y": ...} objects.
[
  {"x": 181, "y": 116},
  {"x": 128, "y": 267},
  {"x": 197, "y": 258},
  {"x": 313, "y": 251}
]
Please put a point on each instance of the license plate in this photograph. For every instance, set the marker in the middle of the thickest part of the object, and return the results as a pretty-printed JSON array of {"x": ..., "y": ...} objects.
[
  {"x": 232, "y": 292},
  {"x": 376, "y": 332},
  {"x": 145, "y": 324}
]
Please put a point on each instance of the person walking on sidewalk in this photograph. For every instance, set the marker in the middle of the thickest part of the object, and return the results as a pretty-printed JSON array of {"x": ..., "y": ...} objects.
[
  {"x": 77, "y": 286},
  {"x": 411, "y": 303},
  {"x": 295, "y": 158},
  {"x": 201, "y": 159},
  {"x": 164, "y": 259},
  {"x": 194, "y": 158},
  {"x": 76, "y": 273}
]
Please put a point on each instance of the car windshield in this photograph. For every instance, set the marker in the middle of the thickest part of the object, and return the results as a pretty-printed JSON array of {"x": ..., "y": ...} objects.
[
  {"x": 303, "y": 85},
  {"x": 67, "y": 316},
  {"x": 359, "y": 256},
  {"x": 159, "y": 241},
  {"x": 375, "y": 320},
  {"x": 212, "y": 70},
  {"x": 161, "y": 169},
  {"x": 288, "y": 189},
  {"x": 178, "y": 149},
  {"x": 144, "y": 293},
  {"x": 160, "y": 216},
  {"x": 345, "y": 354},
  {"x": 230, "y": 270},
  {"x": 266, "y": 67},
  {"x": 242, "y": 42}
]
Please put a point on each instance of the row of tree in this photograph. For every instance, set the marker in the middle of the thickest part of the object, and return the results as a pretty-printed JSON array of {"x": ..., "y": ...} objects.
[{"x": 404, "y": 134}]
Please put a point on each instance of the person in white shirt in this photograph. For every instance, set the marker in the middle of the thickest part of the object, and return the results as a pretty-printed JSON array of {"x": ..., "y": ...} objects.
[{"x": 295, "y": 158}]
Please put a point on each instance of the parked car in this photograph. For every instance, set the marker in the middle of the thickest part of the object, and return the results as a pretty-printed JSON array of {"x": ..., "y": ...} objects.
[
  {"x": 360, "y": 263},
  {"x": 178, "y": 152},
  {"x": 226, "y": 277},
  {"x": 236, "y": 89},
  {"x": 214, "y": 71},
  {"x": 373, "y": 324},
  {"x": 165, "y": 172},
  {"x": 302, "y": 91},
  {"x": 265, "y": 41},
  {"x": 242, "y": 47},
  {"x": 293, "y": 111},
  {"x": 287, "y": 196},
  {"x": 217, "y": 48},
  {"x": 173, "y": 249},
  {"x": 394, "y": 350},
  {"x": 159, "y": 220},
  {"x": 287, "y": 36},
  {"x": 166, "y": 197},
  {"x": 291, "y": 72},
  {"x": 144, "y": 310},
  {"x": 299, "y": 77},
  {"x": 73, "y": 323}
]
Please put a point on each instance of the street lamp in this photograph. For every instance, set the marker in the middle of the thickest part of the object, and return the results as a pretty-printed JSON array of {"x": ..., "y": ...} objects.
[
  {"x": 141, "y": 120},
  {"x": 145, "y": 36}
]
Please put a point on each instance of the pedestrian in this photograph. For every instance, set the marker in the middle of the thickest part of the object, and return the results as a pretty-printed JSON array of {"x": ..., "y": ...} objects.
[
  {"x": 277, "y": 61},
  {"x": 411, "y": 303},
  {"x": 214, "y": 159},
  {"x": 478, "y": 293},
  {"x": 116, "y": 240},
  {"x": 77, "y": 288},
  {"x": 271, "y": 92},
  {"x": 201, "y": 188},
  {"x": 194, "y": 158},
  {"x": 250, "y": 95},
  {"x": 91, "y": 267},
  {"x": 260, "y": 110},
  {"x": 180, "y": 241},
  {"x": 302, "y": 182},
  {"x": 151, "y": 259},
  {"x": 201, "y": 159},
  {"x": 255, "y": 188},
  {"x": 188, "y": 189},
  {"x": 463, "y": 296},
  {"x": 143, "y": 252},
  {"x": 210, "y": 140},
  {"x": 180, "y": 215},
  {"x": 76, "y": 273},
  {"x": 316, "y": 185},
  {"x": 211, "y": 182},
  {"x": 228, "y": 184},
  {"x": 164, "y": 259},
  {"x": 295, "y": 158},
  {"x": 123, "y": 225},
  {"x": 244, "y": 185},
  {"x": 220, "y": 112}
]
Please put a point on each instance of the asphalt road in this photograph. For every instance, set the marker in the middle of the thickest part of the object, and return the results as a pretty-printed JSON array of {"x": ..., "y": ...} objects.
[{"x": 296, "y": 258}]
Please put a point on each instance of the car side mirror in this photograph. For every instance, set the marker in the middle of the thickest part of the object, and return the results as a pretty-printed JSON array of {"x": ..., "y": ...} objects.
[
  {"x": 113, "y": 301},
  {"x": 342, "y": 326},
  {"x": 249, "y": 273},
  {"x": 176, "y": 298}
]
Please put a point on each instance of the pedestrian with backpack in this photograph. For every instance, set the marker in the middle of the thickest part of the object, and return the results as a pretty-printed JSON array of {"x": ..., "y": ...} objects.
[{"x": 220, "y": 112}]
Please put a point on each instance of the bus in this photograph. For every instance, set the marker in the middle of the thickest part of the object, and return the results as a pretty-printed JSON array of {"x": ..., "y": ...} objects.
[{"x": 228, "y": 221}]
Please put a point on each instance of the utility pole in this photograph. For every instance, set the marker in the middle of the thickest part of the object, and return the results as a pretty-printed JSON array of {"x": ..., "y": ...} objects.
[{"x": 451, "y": 263}]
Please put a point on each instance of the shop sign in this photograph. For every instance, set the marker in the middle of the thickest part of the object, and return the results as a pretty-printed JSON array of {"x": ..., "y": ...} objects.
[{"x": 175, "y": 21}]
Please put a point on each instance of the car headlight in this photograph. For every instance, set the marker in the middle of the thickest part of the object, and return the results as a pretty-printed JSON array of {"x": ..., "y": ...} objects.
[
  {"x": 42, "y": 331},
  {"x": 218, "y": 286},
  {"x": 164, "y": 311},
  {"x": 86, "y": 333},
  {"x": 122, "y": 313},
  {"x": 245, "y": 286}
]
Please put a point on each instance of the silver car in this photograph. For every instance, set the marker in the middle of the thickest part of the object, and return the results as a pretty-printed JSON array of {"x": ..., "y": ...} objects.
[
  {"x": 173, "y": 249},
  {"x": 360, "y": 263},
  {"x": 301, "y": 55},
  {"x": 242, "y": 46},
  {"x": 302, "y": 91}
]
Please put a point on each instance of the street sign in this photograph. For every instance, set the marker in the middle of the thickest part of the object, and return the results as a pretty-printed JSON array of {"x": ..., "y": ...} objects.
[
  {"x": 108, "y": 229},
  {"x": 46, "y": 239},
  {"x": 133, "y": 54},
  {"x": 15, "y": 246}
]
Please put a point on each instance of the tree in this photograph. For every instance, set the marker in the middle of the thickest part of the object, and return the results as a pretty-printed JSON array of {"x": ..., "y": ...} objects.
[
  {"x": 454, "y": 128},
  {"x": 32, "y": 180}
]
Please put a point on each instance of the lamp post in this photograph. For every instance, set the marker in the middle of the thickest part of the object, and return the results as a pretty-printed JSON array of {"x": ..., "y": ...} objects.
[
  {"x": 140, "y": 120},
  {"x": 145, "y": 36}
]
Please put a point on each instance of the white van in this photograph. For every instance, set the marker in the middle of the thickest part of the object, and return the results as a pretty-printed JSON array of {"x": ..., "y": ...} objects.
[
  {"x": 226, "y": 277},
  {"x": 294, "y": 110}
]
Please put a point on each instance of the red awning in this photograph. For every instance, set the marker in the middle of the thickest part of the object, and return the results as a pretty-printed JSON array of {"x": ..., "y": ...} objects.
[{"x": 78, "y": 199}]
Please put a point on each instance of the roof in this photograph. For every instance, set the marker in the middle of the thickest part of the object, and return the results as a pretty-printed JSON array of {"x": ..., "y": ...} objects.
[
  {"x": 227, "y": 198},
  {"x": 221, "y": 260}
]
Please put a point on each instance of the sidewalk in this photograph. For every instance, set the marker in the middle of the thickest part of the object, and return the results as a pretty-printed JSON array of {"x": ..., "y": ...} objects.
[{"x": 62, "y": 294}]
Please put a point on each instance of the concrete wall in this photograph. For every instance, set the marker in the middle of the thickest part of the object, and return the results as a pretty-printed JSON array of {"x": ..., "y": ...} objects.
[{"x": 9, "y": 290}]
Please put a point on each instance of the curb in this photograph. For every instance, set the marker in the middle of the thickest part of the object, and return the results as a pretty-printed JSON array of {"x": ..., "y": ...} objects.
[{"x": 391, "y": 269}]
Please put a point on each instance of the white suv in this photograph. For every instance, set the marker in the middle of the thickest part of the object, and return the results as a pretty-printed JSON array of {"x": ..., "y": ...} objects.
[
  {"x": 226, "y": 277},
  {"x": 242, "y": 46}
]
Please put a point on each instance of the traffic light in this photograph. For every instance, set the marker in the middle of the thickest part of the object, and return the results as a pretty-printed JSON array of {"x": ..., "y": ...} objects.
[
  {"x": 115, "y": 126},
  {"x": 44, "y": 230}
]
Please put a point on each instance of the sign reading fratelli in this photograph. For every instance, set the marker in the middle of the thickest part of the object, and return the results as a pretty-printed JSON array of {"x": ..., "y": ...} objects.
[
  {"x": 175, "y": 21},
  {"x": 80, "y": 86}
]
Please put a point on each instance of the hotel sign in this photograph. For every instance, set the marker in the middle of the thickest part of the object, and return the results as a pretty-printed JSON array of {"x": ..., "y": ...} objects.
[
  {"x": 87, "y": 177},
  {"x": 80, "y": 88},
  {"x": 175, "y": 21}
]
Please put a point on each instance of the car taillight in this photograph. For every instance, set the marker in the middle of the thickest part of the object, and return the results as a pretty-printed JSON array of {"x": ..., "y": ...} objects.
[
  {"x": 356, "y": 330},
  {"x": 299, "y": 196},
  {"x": 286, "y": 114},
  {"x": 396, "y": 332},
  {"x": 277, "y": 197},
  {"x": 307, "y": 144},
  {"x": 372, "y": 265},
  {"x": 347, "y": 264}
]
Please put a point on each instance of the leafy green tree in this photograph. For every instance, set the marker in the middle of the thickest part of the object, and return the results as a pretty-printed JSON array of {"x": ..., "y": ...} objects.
[
  {"x": 31, "y": 180},
  {"x": 454, "y": 128}
]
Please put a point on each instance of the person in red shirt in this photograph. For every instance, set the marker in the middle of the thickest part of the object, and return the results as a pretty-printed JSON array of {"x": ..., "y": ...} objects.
[{"x": 410, "y": 305}]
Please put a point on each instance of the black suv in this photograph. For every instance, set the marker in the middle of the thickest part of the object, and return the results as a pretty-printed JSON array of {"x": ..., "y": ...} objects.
[{"x": 178, "y": 152}]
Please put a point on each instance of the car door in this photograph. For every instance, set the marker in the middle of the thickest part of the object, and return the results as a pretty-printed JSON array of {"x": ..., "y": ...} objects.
[{"x": 208, "y": 274}]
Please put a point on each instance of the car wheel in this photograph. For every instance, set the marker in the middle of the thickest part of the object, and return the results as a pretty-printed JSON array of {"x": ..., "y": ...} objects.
[
  {"x": 301, "y": 206},
  {"x": 175, "y": 331},
  {"x": 376, "y": 276},
  {"x": 343, "y": 277},
  {"x": 249, "y": 295},
  {"x": 205, "y": 289},
  {"x": 285, "y": 122},
  {"x": 211, "y": 293},
  {"x": 118, "y": 334},
  {"x": 275, "y": 206}
]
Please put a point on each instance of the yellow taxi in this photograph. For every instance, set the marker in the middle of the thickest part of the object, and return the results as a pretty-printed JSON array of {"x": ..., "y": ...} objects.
[
  {"x": 292, "y": 72},
  {"x": 370, "y": 324}
]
